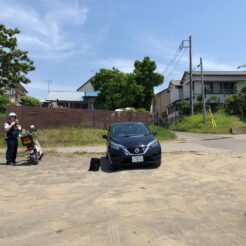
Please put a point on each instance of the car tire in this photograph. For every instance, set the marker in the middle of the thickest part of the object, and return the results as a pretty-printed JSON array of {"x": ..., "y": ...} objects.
[{"x": 112, "y": 167}]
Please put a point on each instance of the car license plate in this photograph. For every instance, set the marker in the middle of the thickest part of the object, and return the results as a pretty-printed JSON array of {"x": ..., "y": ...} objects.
[{"x": 137, "y": 159}]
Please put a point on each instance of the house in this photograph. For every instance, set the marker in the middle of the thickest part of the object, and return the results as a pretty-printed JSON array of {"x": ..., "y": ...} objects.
[
  {"x": 89, "y": 93},
  {"x": 159, "y": 106},
  {"x": 16, "y": 94},
  {"x": 83, "y": 98},
  {"x": 165, "y": 102},
  {"x": 219, "y": 84},
  {"x": 66, "y": 99},
  {"x": 86, "y": 87}
]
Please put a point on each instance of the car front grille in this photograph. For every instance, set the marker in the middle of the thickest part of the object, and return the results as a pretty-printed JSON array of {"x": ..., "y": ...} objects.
[{"x": 137, "y": 150}]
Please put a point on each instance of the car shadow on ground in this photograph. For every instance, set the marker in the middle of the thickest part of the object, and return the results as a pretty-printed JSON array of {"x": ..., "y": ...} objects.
[{"x": 104, "y": 164}]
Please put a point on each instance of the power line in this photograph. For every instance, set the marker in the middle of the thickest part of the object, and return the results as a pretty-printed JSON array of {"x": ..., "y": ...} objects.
[
  {"x": 167, "y": 68},
  {"x": 177, "y": 61}
]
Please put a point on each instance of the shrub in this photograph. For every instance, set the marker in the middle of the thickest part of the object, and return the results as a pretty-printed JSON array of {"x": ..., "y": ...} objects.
[
  {"x": 236, "y": 104},
  {"x": 30, "y": 101},
  {"x": 141, "y": 110},
  {"x": 184, "y": 108},
  {"x": 4, "y": 102}
]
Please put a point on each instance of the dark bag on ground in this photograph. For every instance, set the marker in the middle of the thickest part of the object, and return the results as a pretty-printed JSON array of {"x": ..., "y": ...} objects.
[{"x": 94, "y": 165}]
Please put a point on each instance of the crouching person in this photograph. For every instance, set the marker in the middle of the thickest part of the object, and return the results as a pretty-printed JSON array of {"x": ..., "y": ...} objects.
[{"x": 12, "y": 129}]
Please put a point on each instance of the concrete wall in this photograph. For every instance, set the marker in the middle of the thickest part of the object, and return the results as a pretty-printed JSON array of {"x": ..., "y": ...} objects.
[
  {"x": 160, "y": 103},
  {"x": 175, "y": 93},
  {"x": 186, "y": 90}
]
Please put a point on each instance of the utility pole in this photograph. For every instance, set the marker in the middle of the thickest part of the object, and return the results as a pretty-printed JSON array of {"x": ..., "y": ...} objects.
[
  {"x": 191, "y": 82},
  {"x": 203, "y": 94},
  {"x": 189, "y": 45}
]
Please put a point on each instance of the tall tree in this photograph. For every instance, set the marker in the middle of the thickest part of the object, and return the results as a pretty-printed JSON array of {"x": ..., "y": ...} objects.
[
  {"x": 119, "y": 90},
  {"x": 145, "y": 76},
  {"x": 116, "y": 89},
  {"x": 14, "y": 63}
]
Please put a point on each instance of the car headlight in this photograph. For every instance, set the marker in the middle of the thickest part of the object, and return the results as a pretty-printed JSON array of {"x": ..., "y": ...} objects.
[
  {"x": 153, "y": 144},
  {"x": 116, "y": 146}
]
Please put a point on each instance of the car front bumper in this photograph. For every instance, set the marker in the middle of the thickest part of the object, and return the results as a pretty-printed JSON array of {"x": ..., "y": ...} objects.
[{"x": 118, "y": 159}]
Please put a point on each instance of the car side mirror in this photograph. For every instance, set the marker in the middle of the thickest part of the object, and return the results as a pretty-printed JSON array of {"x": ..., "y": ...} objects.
[
  {"x": 105, "y": 136},
  {"x": 154, "y": 133}
]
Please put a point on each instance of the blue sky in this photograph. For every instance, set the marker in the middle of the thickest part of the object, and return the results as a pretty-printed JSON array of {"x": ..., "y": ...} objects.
[{"x": 71, "y": 40}]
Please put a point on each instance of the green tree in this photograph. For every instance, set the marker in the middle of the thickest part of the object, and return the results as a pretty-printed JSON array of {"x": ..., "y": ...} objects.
[
  {"x": 14, "y": 63},
  {"x": 4, "y": 102},
  {"x": 236, "y": 104},
  {"x": 116, "y": 89},
  {"x": 120, "y": 90},
  {"x": 145, "y": 76},
  {"x": 30, "y": 101},
  {"x": 184, "y": 108}
]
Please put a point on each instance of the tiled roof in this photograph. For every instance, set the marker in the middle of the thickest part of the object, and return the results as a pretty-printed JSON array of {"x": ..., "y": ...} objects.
[
  {"x": 219, "y": 72},
  {"x": 213, "y": 73},
  {"x": 69, "y": 96},
  {"x": 175, "y": 82}
]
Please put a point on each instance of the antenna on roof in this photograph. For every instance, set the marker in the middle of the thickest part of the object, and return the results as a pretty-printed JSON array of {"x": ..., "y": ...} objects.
[{"x": 49, "y": 83}]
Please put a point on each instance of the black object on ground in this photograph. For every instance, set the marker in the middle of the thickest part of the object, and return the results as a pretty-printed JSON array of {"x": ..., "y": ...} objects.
[{"x": 94, "y": 165}]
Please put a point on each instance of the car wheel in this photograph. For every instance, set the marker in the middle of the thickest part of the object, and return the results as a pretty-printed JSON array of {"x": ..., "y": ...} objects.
[{"x": 112, "y": 167}]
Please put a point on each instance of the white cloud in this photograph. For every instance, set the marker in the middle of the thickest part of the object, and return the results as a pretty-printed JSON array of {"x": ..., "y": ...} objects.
[
  {"x": 43, "y": 33},
  {"x": 212, "y": 64}
]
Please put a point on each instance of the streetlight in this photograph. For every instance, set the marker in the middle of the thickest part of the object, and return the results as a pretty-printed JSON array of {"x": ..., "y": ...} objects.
[{"x": 203, "y": 94}]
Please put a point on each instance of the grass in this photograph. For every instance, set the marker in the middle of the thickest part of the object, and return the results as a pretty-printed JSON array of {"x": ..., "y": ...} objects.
[
  {"x": 194, "y": 123},
  {"x": 3, "y": 116},
  {"x": 162, "y": 133},
  {"x": 70, "y": 136},
  {"x": 78, "y": 136}
]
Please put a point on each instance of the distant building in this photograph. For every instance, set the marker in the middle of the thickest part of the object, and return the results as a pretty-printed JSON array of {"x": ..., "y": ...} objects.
[
  {"x": 165, "y": 102},
  {"x": 16, "y": 94},
  {"x": 66, "y": 99},
  {"x": 83, "y": 98},
  {"x": 219, "y": 84},
  {"x": 86, "y": 87},
  {"x": 90, "y": 93}
]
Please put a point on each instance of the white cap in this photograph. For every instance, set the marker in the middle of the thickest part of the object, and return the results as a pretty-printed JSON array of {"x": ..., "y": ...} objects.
[{"x": 12, "y": 114}]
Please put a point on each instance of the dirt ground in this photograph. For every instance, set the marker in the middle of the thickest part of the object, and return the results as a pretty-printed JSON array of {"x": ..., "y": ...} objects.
[{"x": 194, "y": 198}]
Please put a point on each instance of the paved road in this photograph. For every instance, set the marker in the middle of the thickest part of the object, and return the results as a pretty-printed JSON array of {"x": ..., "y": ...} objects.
[
  {"x": 231, "y": 143},
  {"x": 186, "y": 142}
]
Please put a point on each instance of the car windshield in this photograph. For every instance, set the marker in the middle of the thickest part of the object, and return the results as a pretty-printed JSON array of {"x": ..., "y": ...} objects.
[{"x": 129, "y": 129}]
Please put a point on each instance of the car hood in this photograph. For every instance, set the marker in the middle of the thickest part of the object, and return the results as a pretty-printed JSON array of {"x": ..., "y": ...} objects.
[{"x": 134, "y": 141}]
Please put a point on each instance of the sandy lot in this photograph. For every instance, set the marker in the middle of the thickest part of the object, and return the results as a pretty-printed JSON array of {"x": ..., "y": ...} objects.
[{"x": 195, "y": 198}]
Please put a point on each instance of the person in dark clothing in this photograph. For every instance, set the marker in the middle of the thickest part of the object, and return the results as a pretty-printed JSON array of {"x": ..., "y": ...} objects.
[{"x": 12, "y": 129}]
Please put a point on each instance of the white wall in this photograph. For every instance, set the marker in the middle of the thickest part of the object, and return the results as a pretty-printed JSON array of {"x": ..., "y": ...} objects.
[
  {"x": 186, "y": 90},
  {"x": 174, "y": 94},
  {"x": 87, "y": 88}
]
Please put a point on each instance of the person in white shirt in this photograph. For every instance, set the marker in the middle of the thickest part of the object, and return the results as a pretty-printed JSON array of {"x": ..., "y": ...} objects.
[{"x": 12, "y": 129}]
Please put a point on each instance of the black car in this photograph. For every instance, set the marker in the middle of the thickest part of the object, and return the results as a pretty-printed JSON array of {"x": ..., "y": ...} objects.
[{"x": 132, "y": 144}]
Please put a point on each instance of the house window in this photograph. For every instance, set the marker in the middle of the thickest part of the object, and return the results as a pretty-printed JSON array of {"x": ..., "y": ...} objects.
[
  {"x": 228, "y": 87},
  {"x": 209, "y": 87}
]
